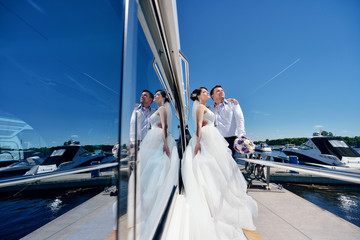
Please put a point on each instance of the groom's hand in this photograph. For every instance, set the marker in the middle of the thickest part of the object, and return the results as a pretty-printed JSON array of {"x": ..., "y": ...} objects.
[{"x": 233, "y": 100}]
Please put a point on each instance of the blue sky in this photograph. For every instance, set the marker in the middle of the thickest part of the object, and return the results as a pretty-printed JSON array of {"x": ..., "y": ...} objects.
[
  {"x": 293, "y": 65},
  {"x": 60, "y": 68}
]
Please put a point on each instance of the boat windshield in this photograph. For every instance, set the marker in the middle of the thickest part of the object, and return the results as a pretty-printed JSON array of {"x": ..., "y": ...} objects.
[
  {"x": 305, "y": 146},
  {"x": 84, "y": 153},
  {"x": 338, "y": 143}
]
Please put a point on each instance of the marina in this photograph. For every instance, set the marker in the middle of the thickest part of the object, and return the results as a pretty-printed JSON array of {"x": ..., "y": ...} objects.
[
  {"x": 82, "y": 180},
  {"x": 278, "y": 218},
  {"x": 95, "y": 213},
  {"x": 267, "y": 199},
  {"x": 145, "y": 162}
]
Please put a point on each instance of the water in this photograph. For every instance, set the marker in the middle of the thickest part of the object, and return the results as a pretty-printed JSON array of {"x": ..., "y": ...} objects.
[
  {"x": 26, "y": 212},
  {"x": 341, "y": 200}
]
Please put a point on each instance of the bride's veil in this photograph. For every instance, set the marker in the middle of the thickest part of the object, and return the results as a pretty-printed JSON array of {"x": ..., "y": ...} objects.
[
  {"x": 194, "y": 108},
  {"x": 168, "y": 115}
]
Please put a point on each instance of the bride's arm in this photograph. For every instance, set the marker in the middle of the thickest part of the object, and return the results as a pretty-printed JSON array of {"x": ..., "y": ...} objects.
[
  {"x": 164, "y": 127},
  {"x": 199, "y": 124}
]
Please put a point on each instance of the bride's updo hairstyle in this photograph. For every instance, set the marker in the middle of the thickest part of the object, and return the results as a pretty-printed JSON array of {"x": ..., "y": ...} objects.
[
  {"x": 164, "y": 95},
  {"x": 196, "y": 93}
]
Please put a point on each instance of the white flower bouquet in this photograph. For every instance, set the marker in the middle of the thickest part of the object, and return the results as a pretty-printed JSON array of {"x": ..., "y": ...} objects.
[{"x": 244, "y": 145}]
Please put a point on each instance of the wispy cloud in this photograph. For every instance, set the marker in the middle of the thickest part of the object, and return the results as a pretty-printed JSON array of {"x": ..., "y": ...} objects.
[
  {"x": 23, "y": 20},
  {"x": 260, "y": 113},
  {"x": 34, "y": 5},
  {"x": 318, "y": 126},
  {"x": 89, "y": 76},
  {"x": 79, "y": 85},
  {"x": 261, "y": 86},
  {"x": 74, "y": 136},
  {"x": 44, "y": 80},
  {"x": 97, "y": 81}
]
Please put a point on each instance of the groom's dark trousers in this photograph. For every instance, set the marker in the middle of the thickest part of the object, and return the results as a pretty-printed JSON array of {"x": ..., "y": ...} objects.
[{"x": 231, "y": 140}]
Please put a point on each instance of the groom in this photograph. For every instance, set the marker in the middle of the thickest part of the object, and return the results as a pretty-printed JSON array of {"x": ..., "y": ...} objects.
[
  {"x": 229, "y": 117},
  {"x": 143, "y": 113}
]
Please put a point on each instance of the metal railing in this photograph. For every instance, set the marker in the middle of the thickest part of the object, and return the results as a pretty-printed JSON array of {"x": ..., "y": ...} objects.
[
  {"x": 34, "y": 178},
  {"x": 347, "y": 176}
]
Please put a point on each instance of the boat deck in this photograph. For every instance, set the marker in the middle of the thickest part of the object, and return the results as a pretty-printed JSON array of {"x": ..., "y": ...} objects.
[{"x": 282, "y": 215}]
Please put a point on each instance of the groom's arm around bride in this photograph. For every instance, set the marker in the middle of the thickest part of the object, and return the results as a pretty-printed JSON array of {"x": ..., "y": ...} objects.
[{"x": 229, "y": 117}]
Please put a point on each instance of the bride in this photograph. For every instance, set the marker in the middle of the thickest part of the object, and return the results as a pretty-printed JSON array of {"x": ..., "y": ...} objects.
[
  {"x": 215, "y": 190},
  {"x": 158, "y": 158}
]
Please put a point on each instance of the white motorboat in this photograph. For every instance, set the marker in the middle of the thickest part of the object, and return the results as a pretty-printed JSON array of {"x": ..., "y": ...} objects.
[
  {"x": 289, "y": 146},
  {"x": 325, "y": 150},
  {"x": 11, "y": 147},
  {"x": 65, "y": 158},
  {"x": 20, "y": 167},
  {"x": 262, "y": 147}
]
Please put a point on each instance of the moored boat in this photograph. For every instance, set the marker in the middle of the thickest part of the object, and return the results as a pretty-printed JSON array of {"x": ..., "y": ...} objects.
[
  {"x": 325, "y": 150},
  {"x": 263, "y": 147},
  {"x": 65, "y": 158},
  {"x": 20, "y": 167}
]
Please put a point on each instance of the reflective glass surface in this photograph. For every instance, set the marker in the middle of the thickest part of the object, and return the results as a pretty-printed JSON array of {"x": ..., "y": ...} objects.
[
  {"x": 148, "y": 131},
  {"x": 60, "y": 72},
  {"x": 64, "y": 107}
]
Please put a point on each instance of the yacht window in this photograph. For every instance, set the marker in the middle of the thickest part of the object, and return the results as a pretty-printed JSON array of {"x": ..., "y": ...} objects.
[
  {"x": 338, "y": 143},
  {"x": 305, "y": 147},
  {"x": 83, "y": 152},
  {"x": 58, "y": 152}
]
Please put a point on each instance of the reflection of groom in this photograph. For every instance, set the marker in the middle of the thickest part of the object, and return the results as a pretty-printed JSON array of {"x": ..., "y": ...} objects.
[
  {"x": 143, "y": 112},
  {"x": 229, "y": 117}
]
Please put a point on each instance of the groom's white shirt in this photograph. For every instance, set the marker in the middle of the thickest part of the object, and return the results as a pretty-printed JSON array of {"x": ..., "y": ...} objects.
[
  {"x": 229, "y": 119},
  {"x": 143, "y": 123}
]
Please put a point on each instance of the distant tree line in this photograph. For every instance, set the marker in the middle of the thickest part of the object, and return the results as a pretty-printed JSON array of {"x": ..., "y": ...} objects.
[
  {"x": 91, "y": 148},
  {"x": 283, "y": 141},
  {"x": 354, "y": 142}
]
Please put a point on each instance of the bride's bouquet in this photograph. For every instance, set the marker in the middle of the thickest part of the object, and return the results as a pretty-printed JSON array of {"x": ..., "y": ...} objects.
[
  {"x": 115, "y": 150},
  {"x": 244, "y": 145}
]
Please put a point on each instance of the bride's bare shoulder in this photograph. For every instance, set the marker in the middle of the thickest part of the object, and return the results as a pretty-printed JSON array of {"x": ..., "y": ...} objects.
[{"x": 202, "y": 108}]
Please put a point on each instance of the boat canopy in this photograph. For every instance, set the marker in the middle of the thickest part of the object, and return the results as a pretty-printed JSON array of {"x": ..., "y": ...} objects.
[
  {"x": 334, "y": 146},
  {"x": 61, "y": 154}
]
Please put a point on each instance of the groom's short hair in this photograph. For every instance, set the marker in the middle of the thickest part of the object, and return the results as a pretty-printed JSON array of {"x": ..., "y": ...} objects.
[
  {"x": 212, "y": 90},
  {"x": 150, "y": 93}
]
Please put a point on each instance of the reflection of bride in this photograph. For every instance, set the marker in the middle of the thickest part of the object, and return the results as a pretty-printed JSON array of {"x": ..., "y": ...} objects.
[
  {"x": 215, "y": 190},
  {"x": 158, "y": 159}
]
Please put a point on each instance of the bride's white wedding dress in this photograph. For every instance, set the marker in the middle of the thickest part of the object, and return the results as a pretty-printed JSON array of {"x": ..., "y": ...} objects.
[
  {"x": 157, "y": 174},
  {"x": 156, "y": 167},
  {"x": 217, "y": 204}
]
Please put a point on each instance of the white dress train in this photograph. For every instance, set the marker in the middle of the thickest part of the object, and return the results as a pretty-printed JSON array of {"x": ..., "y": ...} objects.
[
  {"x": 215, "y": 189},
  {"x": 157, "y": 175}
]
